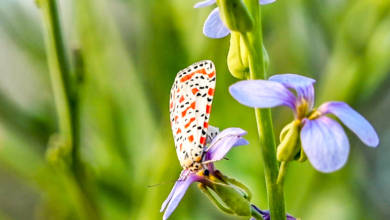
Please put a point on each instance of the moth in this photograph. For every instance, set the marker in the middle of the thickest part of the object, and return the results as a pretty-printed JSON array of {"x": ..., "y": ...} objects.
[{"x": 190, "y": 105}]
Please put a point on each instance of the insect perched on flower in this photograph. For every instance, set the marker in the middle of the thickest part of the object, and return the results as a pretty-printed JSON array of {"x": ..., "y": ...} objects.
[
  {"x": 323, "y": 139},
  {"x": 190, "y": 105},
  {"x": 214, "y": 26}
]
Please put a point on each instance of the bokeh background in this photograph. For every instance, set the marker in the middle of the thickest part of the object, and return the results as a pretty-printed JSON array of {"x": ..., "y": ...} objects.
[{"x": 131, "y": 51}]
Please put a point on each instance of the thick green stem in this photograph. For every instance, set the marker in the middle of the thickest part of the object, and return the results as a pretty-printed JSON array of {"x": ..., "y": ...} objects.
[{"x": 254, "y": 44}]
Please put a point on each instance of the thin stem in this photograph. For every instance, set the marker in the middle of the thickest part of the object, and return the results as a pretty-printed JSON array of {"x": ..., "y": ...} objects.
[
  {"x": 66, "y": 101},
  {"x": 254, "y": 42},
  {"x": 282, "y": 172},
  {"x": 59, "y": 69}
]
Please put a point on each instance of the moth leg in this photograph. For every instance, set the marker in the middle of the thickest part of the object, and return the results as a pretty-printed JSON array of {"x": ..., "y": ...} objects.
[{"x": 212, "y": 132}]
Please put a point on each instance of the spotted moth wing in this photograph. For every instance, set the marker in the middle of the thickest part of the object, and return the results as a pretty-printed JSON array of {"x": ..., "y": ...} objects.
[{"x": 190, "y": 105}]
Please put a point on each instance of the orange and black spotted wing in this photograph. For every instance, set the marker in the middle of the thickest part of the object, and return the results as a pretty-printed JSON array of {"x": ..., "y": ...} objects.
[{"x": 190, "y": 105}]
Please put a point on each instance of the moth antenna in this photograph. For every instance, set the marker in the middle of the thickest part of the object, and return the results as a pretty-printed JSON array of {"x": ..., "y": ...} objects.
[{"x": 159, "y": 184}]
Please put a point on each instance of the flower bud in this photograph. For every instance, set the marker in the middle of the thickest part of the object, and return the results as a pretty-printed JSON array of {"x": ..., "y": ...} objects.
[
  {"x": 288, "y": 146},
  {"x": 285, "y": 131},
  {"x": 230, "y": 195},
  {"x": 237, "y": 59},
  {"x": 233, "y": 198},
  {"x": 235, "y": 15}
]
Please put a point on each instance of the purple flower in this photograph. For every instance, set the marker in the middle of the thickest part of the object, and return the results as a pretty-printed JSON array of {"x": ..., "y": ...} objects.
[
  {"x": 217, "y": 150},
  {"x": 323, "y": 139},
  {"x": 213, "y": 26}
]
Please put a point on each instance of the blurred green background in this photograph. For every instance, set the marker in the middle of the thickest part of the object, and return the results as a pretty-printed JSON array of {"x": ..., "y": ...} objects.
[{"x": 131, "y": 51}]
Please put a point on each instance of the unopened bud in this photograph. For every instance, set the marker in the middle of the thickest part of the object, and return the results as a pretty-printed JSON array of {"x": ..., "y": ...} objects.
[
  {"x": 237, "y": 59},
  {"x": 235, "y": 15},
  {"x": 233, "y": 198},
  {"x": 288, "y": 147}
]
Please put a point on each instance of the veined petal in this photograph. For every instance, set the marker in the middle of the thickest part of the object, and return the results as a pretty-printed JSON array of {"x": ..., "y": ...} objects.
[
  {"x": 177, "y": 193},
  {"x": 303, "y": 85},
  {"x": 353, "y": 120},
  {"x": 264, "y": 2},
  {"x": 325, "y": 144},
  {"x": 214, "y": 27},
  {"x": 262, "y": 94},
  {"x": 204, "y": 3},
  {"x": 223, "y": 142}
]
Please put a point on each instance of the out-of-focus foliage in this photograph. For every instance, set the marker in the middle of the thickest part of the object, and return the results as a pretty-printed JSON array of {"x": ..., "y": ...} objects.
[{"x": 131, "y": 51}]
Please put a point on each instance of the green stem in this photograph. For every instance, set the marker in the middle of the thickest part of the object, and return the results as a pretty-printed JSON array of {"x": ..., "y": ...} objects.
[
  {"x": 59, "y": 69},
  {"x": 254, "y": 42},
  {"x": 66, "y": 101},
  {"x": 282, "y": 172}
]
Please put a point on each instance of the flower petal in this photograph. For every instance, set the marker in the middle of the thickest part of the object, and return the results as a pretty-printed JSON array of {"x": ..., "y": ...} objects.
[
  {"x": 325, "y": 144},
  {"x": 214, "y": 27},
  {"x": 241, "y": 142},
  {"x": 183, "y": 175},
  {"x": 353, "y": 120},
  {"x": 204, "y": 3},
  {"x": 177, "y": 193},
  {"x": 223, "y": 142},
  {"x": 262, "y": 94},
  {"x": 303, "y": 85},
  {"x": 264, "y": 2}
]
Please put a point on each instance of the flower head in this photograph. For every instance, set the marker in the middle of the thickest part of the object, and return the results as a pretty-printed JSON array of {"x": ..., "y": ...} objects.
[
  {"x": 214, "y": 26},
  {"x": 322, "y": 138},
  {"x": 218, "y": 148}
]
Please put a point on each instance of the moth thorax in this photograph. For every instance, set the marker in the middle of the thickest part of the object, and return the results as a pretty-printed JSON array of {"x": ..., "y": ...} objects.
[{"x": 196, "y": 166}]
